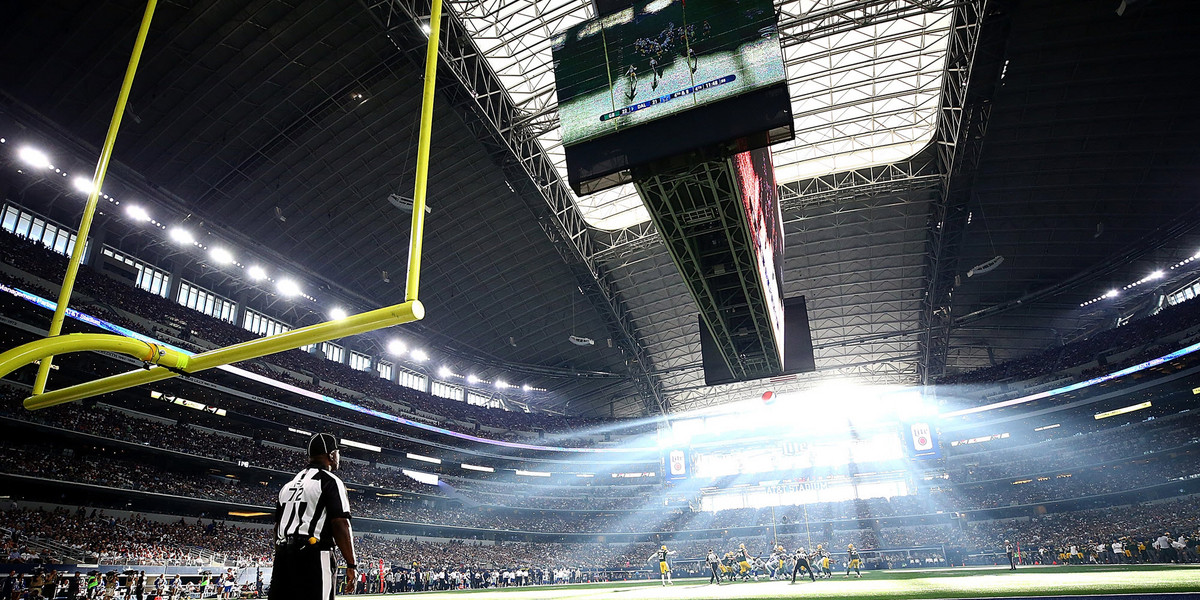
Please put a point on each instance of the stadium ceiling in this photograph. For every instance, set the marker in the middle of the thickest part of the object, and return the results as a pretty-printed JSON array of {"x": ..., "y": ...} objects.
[
  {"x": 286, "y": 125},
  {"x": 867, "y": 81},
  {"x": 865, "y": 78}
]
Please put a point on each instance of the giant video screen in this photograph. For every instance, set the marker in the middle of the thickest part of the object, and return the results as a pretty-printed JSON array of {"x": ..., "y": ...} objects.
[
  {"x": 660, "y": 58},
  {"x": 760, "y": 201}
]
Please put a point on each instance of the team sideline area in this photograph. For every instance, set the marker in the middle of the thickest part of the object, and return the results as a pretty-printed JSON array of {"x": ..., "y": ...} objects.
[{"x": 965, "y": 582}]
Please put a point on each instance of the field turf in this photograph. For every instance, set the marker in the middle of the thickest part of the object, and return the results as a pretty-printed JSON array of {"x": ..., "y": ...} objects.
[{"x": 970, "y": 582}]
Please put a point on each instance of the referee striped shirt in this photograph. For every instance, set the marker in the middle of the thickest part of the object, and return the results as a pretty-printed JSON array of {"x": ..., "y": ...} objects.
[{"x": 308, "y": 503}]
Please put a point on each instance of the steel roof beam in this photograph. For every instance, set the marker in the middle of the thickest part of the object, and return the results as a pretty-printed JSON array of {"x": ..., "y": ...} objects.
[
  {"x": 848, "y": 15},
  {"x": 973, "y": 64}
]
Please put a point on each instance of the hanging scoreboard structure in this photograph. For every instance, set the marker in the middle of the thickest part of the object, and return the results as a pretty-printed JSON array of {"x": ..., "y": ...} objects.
[
  {"x": 721, "y": 223},
  {"x": 684, "y": 98},
  {"x": 656, "y": 79}
]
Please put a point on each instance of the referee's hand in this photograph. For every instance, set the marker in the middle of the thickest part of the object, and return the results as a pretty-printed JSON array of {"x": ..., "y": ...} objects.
[{"x": 351, "y": 580}]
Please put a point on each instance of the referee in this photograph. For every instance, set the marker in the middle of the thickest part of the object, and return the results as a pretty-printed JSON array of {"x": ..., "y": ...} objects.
[
  {"x": 312, "y": 514},
  {"x": 714, "y": 563}
]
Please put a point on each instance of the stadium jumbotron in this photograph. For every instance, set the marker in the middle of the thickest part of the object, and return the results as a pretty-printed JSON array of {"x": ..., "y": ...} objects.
[{"x": 723, "y": 299}]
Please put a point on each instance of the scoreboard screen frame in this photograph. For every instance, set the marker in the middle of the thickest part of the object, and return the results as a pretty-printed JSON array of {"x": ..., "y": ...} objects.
[{"x": 703, "y": 86}]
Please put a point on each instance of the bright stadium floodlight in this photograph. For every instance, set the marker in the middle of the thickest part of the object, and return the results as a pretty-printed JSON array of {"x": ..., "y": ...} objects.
[
  {"x": 423, "y": 458},
  {"x": 34, "y": 157},
  {"x": 526, "y": 387},
  {"x": 137, "y": 213},
  {"x": 221, "y": 256},
  {"x": 1112, "y": 294},
  {"x": 501, "y": 384},
  {"x": 471, "y": 378},
  {"x": 83, "y": 184},
  {"x": 1157, "y": 274},
  {"x": 361, "y": 446},
  {"x": 1122, "y": 411},
  {"x": 426, "y": 478},
  {"x": 419, "y": 355},
  {"x": 396, "y": 348},
  {"x": 656, "y": 6},
  {"x": 287, "y": 288},
  {"x": 257, "y": 273},
  {"x": 444, "y": 372},
  {"x": 337, "y": 313},
  {"x": 182, "y": 236}
]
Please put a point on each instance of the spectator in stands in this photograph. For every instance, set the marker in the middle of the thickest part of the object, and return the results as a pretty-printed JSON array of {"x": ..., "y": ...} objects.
[{"x": 9, "y": 587}]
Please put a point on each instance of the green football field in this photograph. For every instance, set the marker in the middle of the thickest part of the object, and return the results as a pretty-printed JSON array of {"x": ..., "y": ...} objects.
[{"x": 990, "y": 582}]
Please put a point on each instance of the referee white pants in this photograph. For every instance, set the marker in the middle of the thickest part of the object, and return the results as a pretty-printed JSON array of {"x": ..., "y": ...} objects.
[{"x": 302, "y": 574}]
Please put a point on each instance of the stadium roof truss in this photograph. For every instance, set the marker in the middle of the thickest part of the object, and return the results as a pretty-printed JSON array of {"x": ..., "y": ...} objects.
[{"x": 876, "y": 125}]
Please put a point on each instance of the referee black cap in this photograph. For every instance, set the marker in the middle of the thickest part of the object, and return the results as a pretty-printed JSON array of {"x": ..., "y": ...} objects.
[{"x": 322, "y": 443}]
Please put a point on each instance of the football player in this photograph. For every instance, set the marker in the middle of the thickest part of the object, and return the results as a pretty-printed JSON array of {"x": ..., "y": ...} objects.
[
  {"x": 777, "y": 560},
  {"x": 663, "y": 568},
  {"x": 743, "y": 558},
  {"x": 853, "y": 561},
  {"x": 631, "y": 80}
]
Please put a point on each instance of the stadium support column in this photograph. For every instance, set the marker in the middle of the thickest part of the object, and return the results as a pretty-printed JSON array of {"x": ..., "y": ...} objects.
[
  {"x": 807, "y": 530},
  {"x": 239, "y": 310},
  {"x": 96, "y": 246},
  {"x": 774, "y": 528},
  {"x": 176, "y": 278}
]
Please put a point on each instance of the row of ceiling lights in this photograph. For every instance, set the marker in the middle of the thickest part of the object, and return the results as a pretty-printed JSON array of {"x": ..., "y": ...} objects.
[
  {"x": 1156, "y": 275},
  {"x": 286, "y": 287}
]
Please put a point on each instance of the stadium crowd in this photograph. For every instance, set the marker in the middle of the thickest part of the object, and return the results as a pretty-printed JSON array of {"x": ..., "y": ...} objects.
[
  {"x": 1113, "y": 467},
  {"x": 181, "y": 437},
  {"x": 981, "y": 463},
  {"x": 113, "y": 469},
  {"x": 1141, "y": 334},
  {"x": 1082, "y": 536}
]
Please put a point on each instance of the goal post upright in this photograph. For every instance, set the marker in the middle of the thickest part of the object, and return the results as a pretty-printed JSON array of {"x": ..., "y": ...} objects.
[{"x": 165, "y": 362}]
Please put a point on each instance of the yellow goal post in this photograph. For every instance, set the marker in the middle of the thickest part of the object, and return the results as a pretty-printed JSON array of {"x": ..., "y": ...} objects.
[{"x": 164, "y": 362}]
